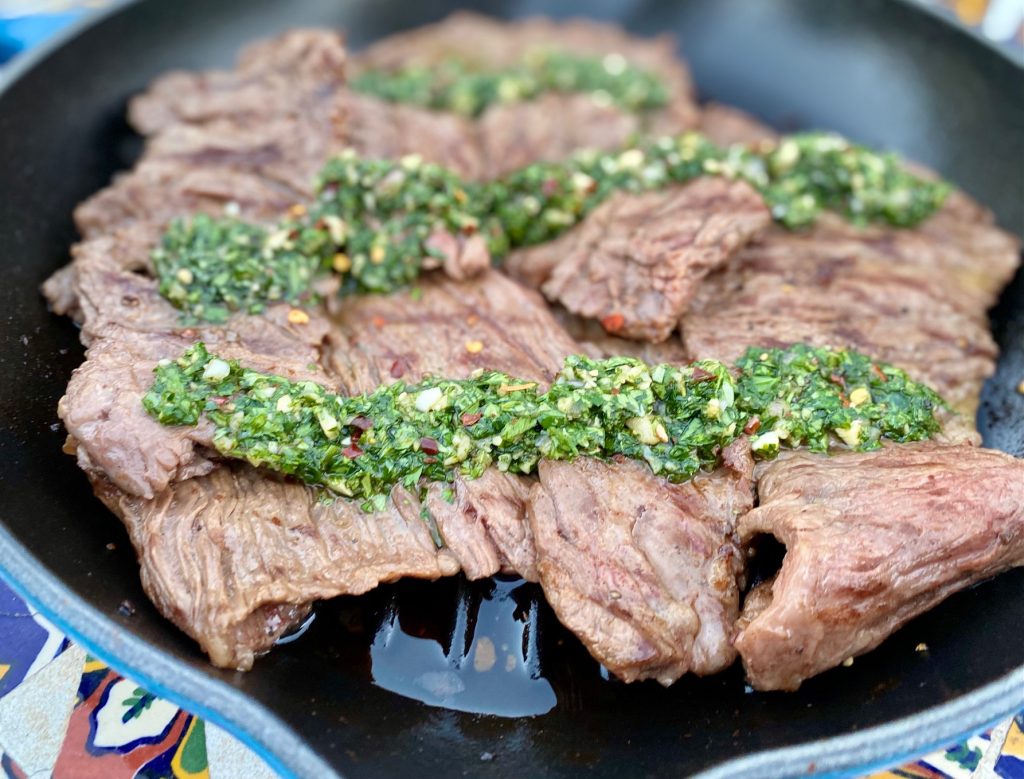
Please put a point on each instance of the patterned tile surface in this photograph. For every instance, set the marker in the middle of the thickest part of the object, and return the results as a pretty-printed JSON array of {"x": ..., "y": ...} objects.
[{"x": 65, "y": 715}]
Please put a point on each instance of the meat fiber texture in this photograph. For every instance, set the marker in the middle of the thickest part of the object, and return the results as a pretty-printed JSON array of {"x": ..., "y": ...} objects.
[
  {"x": 917, "y": 298},
  {"x": 646, "y": 573},
  {"x": 872, "y": 540}
]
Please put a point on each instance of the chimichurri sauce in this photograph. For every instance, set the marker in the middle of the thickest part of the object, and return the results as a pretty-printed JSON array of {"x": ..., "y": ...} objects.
[
  {"x": 453, "y": 85},
  {"x": 674, "y": 418},
  {"x": 372, "y": 220}
]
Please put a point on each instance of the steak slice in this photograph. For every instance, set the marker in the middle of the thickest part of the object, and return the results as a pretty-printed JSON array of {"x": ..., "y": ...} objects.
[
  {"x": 499, "y": 44},
  {"x": 916, "y": 298},
  {"x": 102, "y": 406},
  {"x": 635, "y": 263},
  {"x": 285, "y": 75},
  {"x": 451, "y": 329},
  {"x": 235, "y": 559},
  {"x": 595, "y": 341},
  {"x": 235, "y": 556},
  {"x": 646, "y": 573},
  {"x": 726, "y": 126},
  {"x": 872, "y": 540},
  {"x": 159, "y": 190}
]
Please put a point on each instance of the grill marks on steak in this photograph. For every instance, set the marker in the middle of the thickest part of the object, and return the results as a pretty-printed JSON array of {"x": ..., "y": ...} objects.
[
  {"x": 872, "y": 540},
  {"x": 646, "y": 573},
  {"x": 636, "y": 262},
  {"x": 235, "y": 558},
  {"x": 915, "y": 298}
]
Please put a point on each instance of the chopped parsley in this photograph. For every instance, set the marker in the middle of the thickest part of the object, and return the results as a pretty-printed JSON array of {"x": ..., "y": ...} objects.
[
  {"x": 674, "y": 418},
  {"x": 376, "y": 223},
  {"x": 453, "y": 85}
]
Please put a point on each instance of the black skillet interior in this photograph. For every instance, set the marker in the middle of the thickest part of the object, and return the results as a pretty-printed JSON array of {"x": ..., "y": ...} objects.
[{"x": 882, "y": 72}]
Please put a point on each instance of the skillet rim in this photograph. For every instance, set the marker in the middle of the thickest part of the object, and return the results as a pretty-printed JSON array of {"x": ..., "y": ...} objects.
[{"x": 285, "y": 751}]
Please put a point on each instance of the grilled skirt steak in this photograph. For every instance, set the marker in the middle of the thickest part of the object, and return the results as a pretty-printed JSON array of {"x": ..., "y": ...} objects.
[
  {"x": 636, "y": 262},
  {"x": 549, "y": 128},
  {"x": 872, "y": 540},
  {"x": 235, "y": 558},
  {"x": 452, "y": 329},
  {"x": 102, "y": 407},
  {"x": 241, "y": 530},
  {"x": 646, "y": 573},
  {"x": 916, "y": 298}
]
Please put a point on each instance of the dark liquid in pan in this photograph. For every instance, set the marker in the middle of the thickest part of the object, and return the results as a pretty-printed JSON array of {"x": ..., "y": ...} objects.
[{"x": 486, "y": 647}]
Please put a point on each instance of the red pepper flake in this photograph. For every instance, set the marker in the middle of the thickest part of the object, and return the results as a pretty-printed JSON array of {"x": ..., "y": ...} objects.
[
  {"x": 613, "y": 322},
  {"x": 835, "y": 378},
  {"x": 699, "y": 375},
  {"x": 352, "y": 451},
  {"x": 429, "y": 445},
  {"x": 361, "y": 422},
  {"x": 398, "y": 369},
  {"x": 549, "y": 187},
  {"x": 471, "y": 419},
  {"x": 378, "y": 321},
  {"x": 468, "y": 228},
  {"x": 430, "y": 460},
  {"x": 879, "y": 373},
  {"x": 320, "y": 224},
  {"x": 293, "y": 234},
  {"x": 752, "y": 426},
  {"x": 615, "y": 390}
]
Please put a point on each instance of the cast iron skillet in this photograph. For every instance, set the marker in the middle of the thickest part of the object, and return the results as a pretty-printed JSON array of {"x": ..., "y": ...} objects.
[{"x": 882, "y": 72}]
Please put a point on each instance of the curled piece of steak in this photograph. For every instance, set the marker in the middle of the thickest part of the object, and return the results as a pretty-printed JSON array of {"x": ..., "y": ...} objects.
[
  {"x": 646, "y": 573},
  {"x": 872, "y": 540},
  {"x": 636, "y": 262},
  {"x": 235, "y": 558}
]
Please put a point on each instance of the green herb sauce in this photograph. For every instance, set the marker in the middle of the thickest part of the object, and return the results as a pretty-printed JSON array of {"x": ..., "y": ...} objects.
[
  {"x": 372, "y": 219},
  {"x": 674, "y": 418},
  {"x": 453, "y": 85}
]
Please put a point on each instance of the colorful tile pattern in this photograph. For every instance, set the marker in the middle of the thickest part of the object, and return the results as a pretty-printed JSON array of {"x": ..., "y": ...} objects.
[{"x": 110, "y": 727}]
